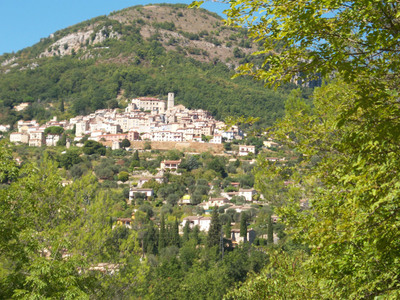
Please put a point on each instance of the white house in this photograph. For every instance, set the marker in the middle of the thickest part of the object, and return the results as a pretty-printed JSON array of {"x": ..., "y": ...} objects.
[
  {"x": 24, "y": 126},
  {"x": 236, "y": 238},
  {"x": 167, "y": 136},
  {"x": 146, "y": 192},
  {"x": 247, "y": 193},
  {"x": 4, "y": 128},
  {"x": 213, "y": 202},
  {"x": 270, "y": 144},
  {"x": 217, "y": 139},
  {"x": 202, "y": 222},
  {"x": 81, "y": 128},
  {"x": 19, "y": 137},
  {"x": 36, "y": 138},
  {"x": 246, "y": 149},
  {"x": 170, "y": 164},
  {"x": 115, "y": 145},
  {"x": 52, "y": 139}
]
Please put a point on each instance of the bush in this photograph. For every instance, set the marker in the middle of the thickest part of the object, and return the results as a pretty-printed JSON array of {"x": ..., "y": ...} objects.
[
  {"x": 109, "y": 184},
  {"x": 125, "y": 143},
  {"x": 104, "y": 173},
  {"x": 123, "y": 176},
  {"x": 76, "y": 171},
  {"x": 147, "y": 145},
  {"x": 69, "y": 158},
  {"x": 92, "y": 147},
  {"x": 165, "y": 25},
  {"x": 53, "y": 130}
]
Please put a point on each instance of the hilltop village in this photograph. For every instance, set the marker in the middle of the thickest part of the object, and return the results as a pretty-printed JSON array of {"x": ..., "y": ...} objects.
[
  {"x": 196, "y": 209},
  {"x": 144, "y": 118}
]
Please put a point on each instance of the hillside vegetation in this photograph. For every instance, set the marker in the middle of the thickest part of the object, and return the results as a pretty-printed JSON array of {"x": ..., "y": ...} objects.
[{"x": 139, "y": 51}]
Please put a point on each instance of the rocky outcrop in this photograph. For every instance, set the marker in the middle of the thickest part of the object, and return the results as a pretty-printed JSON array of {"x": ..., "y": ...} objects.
[{"x": 80, "y": 40}]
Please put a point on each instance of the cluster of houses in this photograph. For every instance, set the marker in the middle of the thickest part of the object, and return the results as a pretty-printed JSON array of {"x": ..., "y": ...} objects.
[
  {"x": 203, "y": 222},
  {"x": 33, "y": 134},
  {"x": 144, "y": 119}
]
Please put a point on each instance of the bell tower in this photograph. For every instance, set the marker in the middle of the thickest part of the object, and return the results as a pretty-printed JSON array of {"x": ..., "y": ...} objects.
[{"x": 170, "y": 101}]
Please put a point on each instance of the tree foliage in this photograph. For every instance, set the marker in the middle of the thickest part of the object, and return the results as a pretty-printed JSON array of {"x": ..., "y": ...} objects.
[
  {"x": 91, "y": 147},
  {"x": 349, "y": 138},
  {"x": 54, "y": 130},
  {"x": 356, "y": 39},
  {"x": 214, "y": 233},
  {"x": 36, "y": 209},
  {"x": 125, "y": 143}
]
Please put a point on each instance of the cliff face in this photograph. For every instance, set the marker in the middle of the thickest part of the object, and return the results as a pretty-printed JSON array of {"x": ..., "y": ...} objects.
[{"x": 73, "y": 42}]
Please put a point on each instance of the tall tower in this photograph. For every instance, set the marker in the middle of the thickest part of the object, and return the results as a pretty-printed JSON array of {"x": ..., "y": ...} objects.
[{"x": 170, "y": 101}]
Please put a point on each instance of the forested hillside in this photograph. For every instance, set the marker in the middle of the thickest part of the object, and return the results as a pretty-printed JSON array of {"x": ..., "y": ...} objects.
[{"x": 139, "y": 51}]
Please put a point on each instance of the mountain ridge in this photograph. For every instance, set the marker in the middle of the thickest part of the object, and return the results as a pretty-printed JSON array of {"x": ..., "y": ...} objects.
[{"x": 138, "y": 51}]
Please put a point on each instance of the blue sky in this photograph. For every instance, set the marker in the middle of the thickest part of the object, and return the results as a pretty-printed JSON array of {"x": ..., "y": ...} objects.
[{"x": 24, "y": 22}]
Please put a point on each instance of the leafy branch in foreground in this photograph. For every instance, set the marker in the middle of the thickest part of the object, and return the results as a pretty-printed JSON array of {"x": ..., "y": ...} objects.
[{"x": 348, "y": 139}]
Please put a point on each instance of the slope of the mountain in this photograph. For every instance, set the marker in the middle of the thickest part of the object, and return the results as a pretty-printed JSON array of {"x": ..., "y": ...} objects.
[{"x": 139, "y": 51}]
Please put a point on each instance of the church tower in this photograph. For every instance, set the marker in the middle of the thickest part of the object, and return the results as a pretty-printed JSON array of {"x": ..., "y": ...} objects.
[{"x": 170, "y": 101}]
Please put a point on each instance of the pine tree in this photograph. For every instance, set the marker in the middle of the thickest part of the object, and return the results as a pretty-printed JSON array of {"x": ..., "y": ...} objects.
[
  {"x": 214, "y": 233},
  {"x": 243, "y": 225},
  {"x": 136, "y": 156},
  {"x": 162, "y": 234},
  {"x": 135, "y": 160},
  {"x": 270, "y": 233},
  {"x": 151, "y": 239},
  {"x": 176, "y": 239},
  {"x": 169, "y": 238},
  {"x": 195, "y": 234},
  {"x": 186, "y": 232},
  {"x": 228, "y": 230},
  {"x": 62, "y": 105}
]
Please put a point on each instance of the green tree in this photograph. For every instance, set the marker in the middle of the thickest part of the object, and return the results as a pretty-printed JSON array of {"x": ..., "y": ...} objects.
[
  {"x": 35, "y": 226},
  {"x": 196, "y": 234},
  {"x": 62, "y": 141},
  {"x": 62, "y": 108},
  {"x": 54, "y": 130},
  {"x": 186, "y": 232},
  {"x": 69, "y": 158},
  {"x": 214, "y": 233},
  {"x": 151, "y": 240},
  {"x": 92, "y": 147},
  {"x": 162, "y": 238},
  {"x": 228, "y": 230},
  {"x": 285, "y": 275},
  {"x": 135, "y": 160},
  {"x": 348, "y": 137},
  {"x": 243, "y": 225},
  {"x": 172, "y": 199},
  {"x": 270, "y": 230},
  {"x": 188, "y": 254},
  {"x": 123, "y": 176},
  {"x": 125, "y": 143},
  {"x": 136, "y": 156},
  {"x": 228, "y": 146},
  {"x": 147, "y": 145},
  {"x": 218, "y": 165},
  {"x": 76, "y": 171},
  {"x": 175, "y": 238}
]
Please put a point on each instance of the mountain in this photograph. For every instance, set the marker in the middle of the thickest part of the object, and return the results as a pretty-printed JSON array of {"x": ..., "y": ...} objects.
[{"x": 139, "y": 51}]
